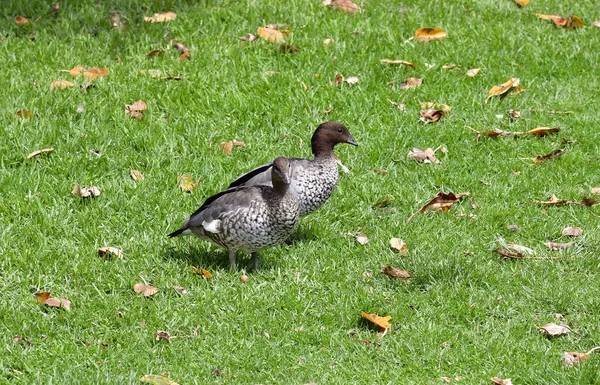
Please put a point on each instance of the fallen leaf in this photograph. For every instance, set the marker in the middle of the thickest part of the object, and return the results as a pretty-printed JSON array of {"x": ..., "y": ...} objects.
[
  {"x": 136, "y": 175},
  {"x": 436, "y": 106},
  {"x": 383, "y": 202},
  {"x": 270, "y": 34},
  {"x": 45, "y": 299},
  {"x": 183, "y": 50},
  {"x": 428, "y": 34},
  {"x": 574, "y": 358},
  {"x": 21, "y": 20},
  {"x": 392, "y": 272},
  {"x": 380, "y": 171},
  {"x": 160, "y": 17},
  {"x": 503, "y": 88},
  {"x": 520, "y": 249},
  {"x": 473, "y": 72},
  {"x": 38, "y": 152},
  {"x": 500, "y": 381},
  {"x": 431, "y": 115},
  {"x": 155, "y": 379},
  {"x": 327, "y": 42},
  {"x": 442, "y": 202},
  {"x": 508, "y": 254},
  {"x": 382, "y": 322},
  {"x": 553, "y": 329},
  {"x": 597, "y": 23},
  {"x": 85, "y": 192},
  {"x": 512, "y": 114},
  {"x": 399, "y": 61},
  {"x": 426, "y": 156},
  {"x": 344, "y": 168},
  {"x": 136, "y": 110},
  {"x": 595, "y": 190},
  {"x": 447, "y": 380},
  {"x": 362, "y": 239},
  {"x": 42, "y": 296},
  {"x": 553, "y": 154},
  {"x": 568, "y": 22},
  {"x": 448, "y": 66},
  {"x": 154, "y": 53},
  {"x": 542, "y": 131},
  {"x": 399, "y": 246},
  {"x": 186, "y": 183},
  {"x": 145, "y": 290},
  {"x": 109, "y": 251},
  {"x": 61, "y": 84},
  {"x": 226, "y": 147},
  {"x": 559, "y": 246},
  {"x": 75, "y": 71},
  {"x": 250, "y": 37},
  {"x": 24, "y": 114},
  {"x": 180, "y": 289},
  {"x": 554, "y": 201},
  {"x": 572, "y": 231},
  {"x": 163, "y": 335},
  {"x": 55, "y": 9},
  {"x": 201, "y": 272},
  {"x": 522, "y": 3},
  {"x": 93, "y": 73},
  {"x": 410, "y": 83},
  {"x": 346, "y": 6},
  {"x": 352, "y": 80}
]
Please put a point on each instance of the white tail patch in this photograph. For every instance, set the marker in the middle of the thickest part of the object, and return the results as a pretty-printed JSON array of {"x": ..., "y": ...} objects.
[{"x": 213, "y": 226}]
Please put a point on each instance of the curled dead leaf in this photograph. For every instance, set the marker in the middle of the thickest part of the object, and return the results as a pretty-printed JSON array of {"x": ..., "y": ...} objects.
[
  {"x": 426, "y": 156},
  {"x": 250, "y": 37},
  {"x": 473, "y": 72},
  {"x": 38, "y": 152},
  {"x": 21, "y": 20},
  {"x": 144, "y": 289},
  {"x": 559, "y": 246},
  {"x": 500, "y": 381},
  {"x": 156, "y": 379},
  {"x": 270, "y": 34},
  {"x": 553, "y": 329},
  {"x": 383, "y": 202},
  {"x": 392, "y": 272},
  {"x": 503, "y": 88},
  {"x": 346, "y": 6},
  {"x": 45, "y": 299},
  {"x": 442, "y": 202},
  {"x": 572, "y": 231},
  {"x": 163, "y": 335},
  {"x": 183, "y": 50},
  {"x": 399, "y": 61},
  {"x": 24, "y": 114},
  {"x": 362, "y": 239},
  {"x": 542, "y": 131},
  {"x": 382, "y": 322},
  {"x": 410, "y": 83},
  {"x": 94, "y": 73},
  {"x": 428, "y": 34},
  {"x": 160, "y": 17},
  {"x": 109, "y": 251},
  {"x": 85, "y": 192},
  {"x": 136, "y": 175},
  {"x": 186, "y": 183},
  {"x": 430, "y": 115},
  {"x": 552, "y": 155},
  {"x": 508, "y": 254},
  {"x": 61, "y": 84},
  {"x": 201, "y": 272},
  {"x": 398, "y": 245},
  {"x": 227, "y": 148},
  {"x": 136, "y": 110},
  {"x": 520, "y": 249}
]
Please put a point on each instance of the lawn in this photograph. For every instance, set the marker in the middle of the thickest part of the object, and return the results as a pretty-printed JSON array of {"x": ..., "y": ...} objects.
[{"x": 467, "y": 314}]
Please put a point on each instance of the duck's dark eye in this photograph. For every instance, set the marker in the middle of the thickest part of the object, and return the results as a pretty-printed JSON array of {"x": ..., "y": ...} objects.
[{"x": 340, "y": 130}]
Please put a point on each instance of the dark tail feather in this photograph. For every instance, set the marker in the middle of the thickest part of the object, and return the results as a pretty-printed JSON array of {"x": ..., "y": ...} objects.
[{"x": 176, "y": 233}]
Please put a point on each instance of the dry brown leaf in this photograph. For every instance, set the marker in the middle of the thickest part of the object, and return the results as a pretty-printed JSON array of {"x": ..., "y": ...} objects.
[
  {"x": 559, "y": 246},
  {"x": 226, "y": 147},
  {"x": 574, "y": 358},
  {"x": 554, "y": 201},
  {"x": 109, "y": 251},
  {"x": 270, "y": 34},
  {"x": 380, "y": 171},
  {"x": 595, "y": 190},
  {"x": 568, "y": 22},
  {"x": 201, "y": 272},
  {"x": 383, "y": 202},
  {"x": 154, "y": 53},
  {"x": 136, "y": 110},
  {"x": 503, "y": 88},
  {"x": 553, "y": 154},
  {"x": 346, "y": 6},
  {"x": 180, "y": 289},
  {"x": 399, "y": 61},
  {"x": 500, "y": 381},
  {"x": 473, "y": 72},
  {"x": 400, "y": 106},
  {"x": 398, "y": 245},
  {"x": 542, "y": 131},
  {"x": 436, "y": 106},
  {"x": 44, "y": 298},
  {"x": 428, "y": 34},
  {"x": 250, "y": 37},
  {"x": 522, "y": 3},
  {"x": 186, "y": 183},
  {"x": 392, "y": 272},
  {"x": 24, "y": 114},
  {"x": 442, "y": 202},
  {"x": 327, "y": 42},
  {"x": 136, "y": 175},
  {"x": 597, "y": 23},
  {"x": 156, "y": 379},
  {"x": 410, "y": 83},
  {"x": 553, "y": 329},
  {"x": 448, "y": 66},
  {"x": 21, "y": 20},
  {"x": 85, "y": 192},
  {"x": 61, "y": 84},
  {"x": 508, "y": 254},
  {"x": 144, "y": 289},
  {"x": 572, "y": 231},
  {"x": 160, "y": 17},
  {"x": 93, "y": 73},
  {"x": 75, "y": 71},
  {"x": 520, "y": 249},
  {"x": 38, "y": 152},
  {"x": 362, "y": 239},
  {"x": 426, "y": 156},
  {"x": 382, "y": 322},
  {"x": 447, "y": 380},
  {"x": 163, "y": 335},
  {"x": 430, "y": 115},
  {"x": 183, "y": 50}
]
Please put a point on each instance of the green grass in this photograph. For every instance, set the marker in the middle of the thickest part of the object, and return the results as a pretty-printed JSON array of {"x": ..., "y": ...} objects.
[{"x": 466, "y": 313}]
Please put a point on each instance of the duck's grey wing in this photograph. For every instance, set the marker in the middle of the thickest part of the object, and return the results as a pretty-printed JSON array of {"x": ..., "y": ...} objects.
[{"x": 259, "y": 176}]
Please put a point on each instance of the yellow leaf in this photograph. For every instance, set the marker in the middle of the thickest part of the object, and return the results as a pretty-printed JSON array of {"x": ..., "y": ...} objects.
[
  {"x": 186, "y": 183},
  {"x": 502, "y": 88},
  {"x": 136, "y": 175},
  {"x": 160, "y": 17},
  {"x": 399, "y": 61},
  {"x": 61, "y": 84},
  {"x": 382, "y": 322},
  {"x": 201, "y": 272},
  {"x": 20, "y": 20},
  {"x": 93, "y": 73},
  {"x": 155, "y": 379},
  {"x": 24, "y": 114},
  {"x": 226, "y": 147},
  {"x": 270, "y": 34},
  {"x": 428, "y": 34},
  {"x": 542, "y": 131},
  {"x": 522, "y": 3}
]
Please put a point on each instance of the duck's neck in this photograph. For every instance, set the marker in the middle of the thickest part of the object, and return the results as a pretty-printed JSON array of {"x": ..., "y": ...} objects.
[{"x": 322, "y": 151}]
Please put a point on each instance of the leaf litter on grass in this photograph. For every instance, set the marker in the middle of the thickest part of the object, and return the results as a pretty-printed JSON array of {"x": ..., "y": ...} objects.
[{"x": 442, "y": 203}]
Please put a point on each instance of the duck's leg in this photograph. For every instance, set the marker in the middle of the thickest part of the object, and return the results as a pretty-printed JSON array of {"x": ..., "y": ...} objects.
[
  {"x": 232, "y": 260},
  {"x": 255, "y": 261}
]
